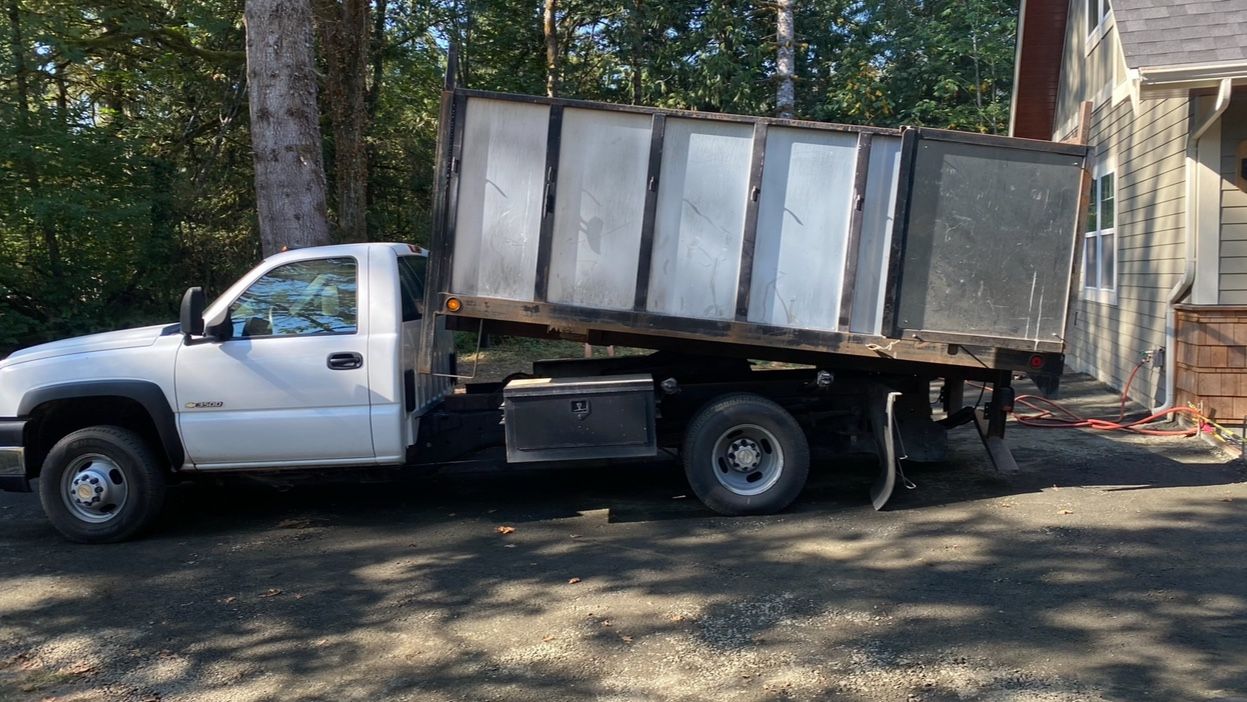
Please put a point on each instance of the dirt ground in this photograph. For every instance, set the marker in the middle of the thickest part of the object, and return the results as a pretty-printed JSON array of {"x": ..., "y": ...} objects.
[{"x": 1110, "y": 568}]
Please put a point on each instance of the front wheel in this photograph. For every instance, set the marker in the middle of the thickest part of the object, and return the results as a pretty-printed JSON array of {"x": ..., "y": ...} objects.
[
  {"x": 744, "y": 454},
  {"x": 101, "y": 485}
]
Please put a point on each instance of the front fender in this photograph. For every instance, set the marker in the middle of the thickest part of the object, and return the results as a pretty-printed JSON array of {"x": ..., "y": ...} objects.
[{"x": 146, "y": 393}]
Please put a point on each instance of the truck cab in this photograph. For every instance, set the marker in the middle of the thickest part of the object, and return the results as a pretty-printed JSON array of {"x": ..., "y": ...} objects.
[{"x": 306, "y": 361}]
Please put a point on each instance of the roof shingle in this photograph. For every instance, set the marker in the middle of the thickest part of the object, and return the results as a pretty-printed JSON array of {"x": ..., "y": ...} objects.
[{"x": 1179, "y": 32}]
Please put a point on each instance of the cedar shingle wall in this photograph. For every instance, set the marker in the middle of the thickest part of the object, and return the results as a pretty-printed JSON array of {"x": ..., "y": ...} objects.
[{"x": 1212, "y": 361}]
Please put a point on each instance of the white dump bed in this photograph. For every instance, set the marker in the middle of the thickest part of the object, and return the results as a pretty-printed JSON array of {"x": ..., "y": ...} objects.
[{"x": 751, "y": 230}]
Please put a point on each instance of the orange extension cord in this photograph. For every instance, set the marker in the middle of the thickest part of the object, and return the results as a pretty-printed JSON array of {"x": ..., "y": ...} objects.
[{"x": 1052, "y": 415}]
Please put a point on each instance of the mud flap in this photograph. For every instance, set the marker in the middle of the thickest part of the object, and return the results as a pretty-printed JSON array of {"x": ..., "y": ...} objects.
[
  {"x": 997, "y": 450},
  {"x": 883, "y": 425}
]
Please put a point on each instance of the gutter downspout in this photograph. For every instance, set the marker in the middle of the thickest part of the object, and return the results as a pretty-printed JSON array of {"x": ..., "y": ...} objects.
[{"x": 1184, "y": 284}]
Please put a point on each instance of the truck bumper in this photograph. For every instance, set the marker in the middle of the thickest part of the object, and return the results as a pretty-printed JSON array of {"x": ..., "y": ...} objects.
[{"x": 13, "y": 456}]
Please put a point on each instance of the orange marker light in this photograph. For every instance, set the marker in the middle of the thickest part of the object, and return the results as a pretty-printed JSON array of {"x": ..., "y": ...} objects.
[{"x": 453, "y": 304}]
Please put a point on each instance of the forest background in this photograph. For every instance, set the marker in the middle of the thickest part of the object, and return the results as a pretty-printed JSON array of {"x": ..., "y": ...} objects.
[{"x": 126, "y": 163}]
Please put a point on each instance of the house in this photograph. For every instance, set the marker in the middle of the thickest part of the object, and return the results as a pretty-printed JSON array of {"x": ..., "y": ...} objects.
[{"x": 1162, "y": 284}]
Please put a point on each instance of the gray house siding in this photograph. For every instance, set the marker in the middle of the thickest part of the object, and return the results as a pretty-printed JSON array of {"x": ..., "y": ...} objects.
[
  {"x": 1233, "y": 289},
  {"x": 1107, "y": 338},
  {"x": 1083, "y": 74}
]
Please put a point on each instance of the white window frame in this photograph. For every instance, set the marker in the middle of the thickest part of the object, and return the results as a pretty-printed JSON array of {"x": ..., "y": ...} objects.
[
  {"x": 1096, "y": 286},
  {"x": 1099, "y": 21}
]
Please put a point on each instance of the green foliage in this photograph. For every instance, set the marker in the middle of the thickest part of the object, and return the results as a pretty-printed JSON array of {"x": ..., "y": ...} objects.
[{"x": 125, "y": 163}]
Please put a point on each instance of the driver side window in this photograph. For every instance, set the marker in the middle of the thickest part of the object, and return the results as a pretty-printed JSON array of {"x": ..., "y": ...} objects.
[{"x": 299, "y": 299}]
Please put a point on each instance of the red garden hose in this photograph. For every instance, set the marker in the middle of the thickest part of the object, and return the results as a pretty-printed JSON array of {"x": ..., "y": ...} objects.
[{"x": 1052, "y": 415}]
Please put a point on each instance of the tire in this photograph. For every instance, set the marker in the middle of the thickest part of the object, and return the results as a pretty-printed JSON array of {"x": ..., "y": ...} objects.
[
  {"x": 744, "y": 454},
  {"x": 117, "y": 474}
]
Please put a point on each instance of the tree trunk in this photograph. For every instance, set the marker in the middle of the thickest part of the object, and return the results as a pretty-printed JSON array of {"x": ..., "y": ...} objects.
[
  {"x": 26, "y": 151},
  {"x": 638, "y": 49},
  {"x": 21, "y": 74},
  {"x": 62, "y": 95},
  {"x": 377, "y": 51},
  {"x": 344, "y": 32},
  {"x": 785, "y": 95},
  {"x": 550, "y": 28},
  {"x": 285, "y": 128},
  {"x": 463, "y": 26}
]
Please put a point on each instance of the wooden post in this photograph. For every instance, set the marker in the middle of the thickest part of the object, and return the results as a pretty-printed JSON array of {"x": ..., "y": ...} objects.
[{"x": 1081, "y": 135}]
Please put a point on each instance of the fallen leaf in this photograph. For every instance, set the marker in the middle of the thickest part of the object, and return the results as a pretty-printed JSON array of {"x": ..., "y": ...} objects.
[
  {"x": 230, "y": 600},
  {"x": 271, "y": 592},
  {"x": 297, "y": 523},
  {"x": 299, "y": 595},
  {"x": 626, "y": 639},
  {"x": 548, "y": 638},
  {"x": 504, "y": 530},
  {"x": 82, "y": 669},
  {"x": 1066, "y": 511},
  {"x": 573, "y": 581}
]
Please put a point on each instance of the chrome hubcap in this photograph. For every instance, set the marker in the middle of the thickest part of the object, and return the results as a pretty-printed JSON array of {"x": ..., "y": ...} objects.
[
  {"x": 748, "y": 460},
  {"x": 94, "y": 488},
  {"x": 744, "y": 455}
]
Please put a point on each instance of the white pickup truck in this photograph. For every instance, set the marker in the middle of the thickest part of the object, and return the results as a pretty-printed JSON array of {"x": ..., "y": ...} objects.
[{"x": 302, "y": 364}]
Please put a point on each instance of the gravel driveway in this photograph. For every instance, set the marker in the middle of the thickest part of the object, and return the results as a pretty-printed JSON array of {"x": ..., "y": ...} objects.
[{"x": 1111, "y": 568}]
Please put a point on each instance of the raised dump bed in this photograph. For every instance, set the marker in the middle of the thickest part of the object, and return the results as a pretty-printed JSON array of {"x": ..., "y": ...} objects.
[{"x": 626, "y": 224}]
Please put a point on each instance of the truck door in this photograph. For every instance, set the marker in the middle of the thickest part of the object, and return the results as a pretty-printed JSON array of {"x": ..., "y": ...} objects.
[{"x": 290, "y": 387}]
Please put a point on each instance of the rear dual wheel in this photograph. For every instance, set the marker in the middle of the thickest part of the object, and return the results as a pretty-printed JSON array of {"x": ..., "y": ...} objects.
[{"x": 744, "y": 454}]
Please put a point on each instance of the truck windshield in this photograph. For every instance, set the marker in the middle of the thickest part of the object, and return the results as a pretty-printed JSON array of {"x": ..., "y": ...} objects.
[{"x": 411, "y": 284}]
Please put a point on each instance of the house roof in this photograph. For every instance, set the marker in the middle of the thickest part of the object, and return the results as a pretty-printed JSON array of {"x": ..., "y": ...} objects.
[
  {"x": 1171, "y": 47},
  {"x": 1037, "y": 70},
  {"x": 1181, "y": 32}
]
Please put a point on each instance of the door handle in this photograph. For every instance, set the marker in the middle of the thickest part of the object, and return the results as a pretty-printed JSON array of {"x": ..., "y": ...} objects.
[{"x": 345, "y": 361}]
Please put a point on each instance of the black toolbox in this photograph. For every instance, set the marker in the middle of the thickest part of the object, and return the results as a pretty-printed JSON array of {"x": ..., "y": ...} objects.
[{"x": 551, "y": 419}]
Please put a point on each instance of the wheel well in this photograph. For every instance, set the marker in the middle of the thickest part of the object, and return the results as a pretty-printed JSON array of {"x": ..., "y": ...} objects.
[{"x": 53, "y": 420}]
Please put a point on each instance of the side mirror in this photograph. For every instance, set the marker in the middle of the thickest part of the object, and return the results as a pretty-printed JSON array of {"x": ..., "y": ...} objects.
[
  {"x": 192, "y": 317},
  {"x": 221, "y": 327}
]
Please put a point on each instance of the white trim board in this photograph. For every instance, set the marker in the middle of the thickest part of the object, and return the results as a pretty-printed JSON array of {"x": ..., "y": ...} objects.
[{"x": 1207, "y": 177}]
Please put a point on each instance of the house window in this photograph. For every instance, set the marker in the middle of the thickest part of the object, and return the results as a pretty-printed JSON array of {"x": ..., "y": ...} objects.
[
  {"x": 1099, "y": 252},
  {"x": 1097, "y": 18}
]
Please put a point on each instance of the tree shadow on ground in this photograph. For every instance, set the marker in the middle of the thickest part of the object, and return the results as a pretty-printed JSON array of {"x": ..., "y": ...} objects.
[{"x": 977, "y": 586}]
